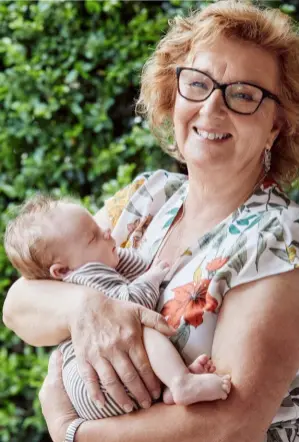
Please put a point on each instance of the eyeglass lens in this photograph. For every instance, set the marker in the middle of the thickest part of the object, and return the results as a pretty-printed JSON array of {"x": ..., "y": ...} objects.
[{"x": 240, "y": 97}]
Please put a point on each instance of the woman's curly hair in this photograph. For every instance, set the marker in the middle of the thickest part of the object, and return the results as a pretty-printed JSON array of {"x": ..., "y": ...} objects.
[{"x": 269, "y": 29}]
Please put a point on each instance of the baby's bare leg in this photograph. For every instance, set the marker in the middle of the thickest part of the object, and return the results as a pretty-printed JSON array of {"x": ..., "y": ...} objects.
[{"x": 185, "y": 387}]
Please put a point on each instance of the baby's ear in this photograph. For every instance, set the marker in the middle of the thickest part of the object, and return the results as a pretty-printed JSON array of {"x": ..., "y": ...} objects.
[{"x": 58, "y": 271}]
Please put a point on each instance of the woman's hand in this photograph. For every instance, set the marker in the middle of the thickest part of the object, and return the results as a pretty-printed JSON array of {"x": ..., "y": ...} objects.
[
  {"x": 107, "y": 339},
  {"x": 56, "y": 406}
]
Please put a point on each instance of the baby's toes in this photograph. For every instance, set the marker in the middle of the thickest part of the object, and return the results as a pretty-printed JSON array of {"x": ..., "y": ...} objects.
[
  {"x": 226, "y": 384},
  {"x": 203, "y": 359},
  {"x": 198, "y": 366},
  {"x": 211, "y": 368}
]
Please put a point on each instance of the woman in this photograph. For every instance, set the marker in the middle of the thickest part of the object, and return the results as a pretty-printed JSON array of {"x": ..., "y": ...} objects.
[{"x": 224, "y": 83}]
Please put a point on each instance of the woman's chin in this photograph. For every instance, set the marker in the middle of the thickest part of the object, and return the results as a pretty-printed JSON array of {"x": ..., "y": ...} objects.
[{"x": 204, "y": 159}]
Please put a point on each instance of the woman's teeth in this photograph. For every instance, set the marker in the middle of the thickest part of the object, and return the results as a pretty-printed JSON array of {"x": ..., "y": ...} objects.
[{"x": 210, "y": 135}]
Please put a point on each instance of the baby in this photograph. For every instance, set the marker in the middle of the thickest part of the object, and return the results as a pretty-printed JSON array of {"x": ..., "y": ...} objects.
[{"x": 58, "y": 239}]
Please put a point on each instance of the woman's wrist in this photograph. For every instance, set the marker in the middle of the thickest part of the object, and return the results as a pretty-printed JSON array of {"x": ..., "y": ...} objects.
[
  {"x": 72, "y": 430},
  {"x": 80, "y": 433}
]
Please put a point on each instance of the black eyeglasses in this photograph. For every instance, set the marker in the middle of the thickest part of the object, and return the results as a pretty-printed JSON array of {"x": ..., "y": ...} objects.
[{"x": 242, "y": 98}]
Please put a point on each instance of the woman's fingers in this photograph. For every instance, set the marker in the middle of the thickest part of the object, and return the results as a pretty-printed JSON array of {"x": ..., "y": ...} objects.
[
  {"x": 140, "y": 360},
  {"x": 130, "y": 377},
  {"x": 91, "y": 381},
  {"x": 112, "y": 384},
  {"x": 152, "y": 319}
]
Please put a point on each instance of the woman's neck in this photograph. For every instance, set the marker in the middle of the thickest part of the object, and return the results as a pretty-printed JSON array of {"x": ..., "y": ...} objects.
[{"x": 215, "y": 196}]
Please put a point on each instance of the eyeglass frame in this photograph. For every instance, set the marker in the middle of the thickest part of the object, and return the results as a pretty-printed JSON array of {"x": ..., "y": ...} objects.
[{"x": 222, "y": 87}]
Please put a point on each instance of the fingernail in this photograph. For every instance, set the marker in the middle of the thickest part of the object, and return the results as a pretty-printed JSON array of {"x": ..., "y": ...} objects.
[
  {"x": 128, "y": 408},
  {"x": 145, "y": 404},
  {"x": 156, "y": 394},
  {"x": 100, "y": 404}
]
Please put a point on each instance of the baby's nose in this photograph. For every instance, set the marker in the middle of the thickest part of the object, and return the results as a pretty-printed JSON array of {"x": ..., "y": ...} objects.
[{"x": 107, "y": 234}]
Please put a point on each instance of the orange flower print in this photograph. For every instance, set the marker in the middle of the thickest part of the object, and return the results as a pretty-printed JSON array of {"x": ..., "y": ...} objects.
[
  {"x": 190, "y": 302},
  {"x": 216, "y": 264}
]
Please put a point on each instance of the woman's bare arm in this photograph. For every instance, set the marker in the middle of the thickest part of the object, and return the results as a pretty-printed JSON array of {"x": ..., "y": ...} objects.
[
  {"x": 39, "y": 312},
  {"x": 256, "y": 340}
]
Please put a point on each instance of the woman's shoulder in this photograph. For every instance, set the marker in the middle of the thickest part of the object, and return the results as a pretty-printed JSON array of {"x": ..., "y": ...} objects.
[
  {"x": 160, "y": 177},
  {"x": 263, "y": 238},
  {"x": 274, "y": 212},
  {"x": 133, "y": 207}
]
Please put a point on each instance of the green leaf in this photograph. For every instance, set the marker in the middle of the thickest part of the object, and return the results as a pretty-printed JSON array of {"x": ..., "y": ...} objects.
[
  {"x": 227, "y": 276},
  {"x": 261, "y": 247},
  {"x": 245, "y": 221},
  {"x": 171, "y": 187},
  {"x": 238, "y": 254},
  {"x": 144, "y": 192},
  {"x": 270, "y": 224},
  {"x": 281, "y": 195},
  {"x": 233, "y": 229},
  {"x": 181, "y": 337},
  {"x": 281, "y": 254},
  {"x": 254, "y": 205},
  {"x": 168, "y": 222},
  {"x": 132, "y": 209}
]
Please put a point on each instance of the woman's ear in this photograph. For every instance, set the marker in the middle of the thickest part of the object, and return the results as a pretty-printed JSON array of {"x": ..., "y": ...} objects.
[
  {"x": 58, "y": 271},
  {"x": 275, "y": 131}
]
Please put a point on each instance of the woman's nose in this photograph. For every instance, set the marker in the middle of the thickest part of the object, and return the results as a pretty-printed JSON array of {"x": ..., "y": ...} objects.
[{"x": 214, "y": 105}]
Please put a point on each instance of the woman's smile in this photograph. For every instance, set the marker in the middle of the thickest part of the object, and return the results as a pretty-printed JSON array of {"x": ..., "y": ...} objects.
[{"x": 209, "y": 135}]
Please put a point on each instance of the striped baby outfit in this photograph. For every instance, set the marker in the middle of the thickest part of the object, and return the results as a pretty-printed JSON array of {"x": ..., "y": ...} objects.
[{"x": 128, "y": 282}]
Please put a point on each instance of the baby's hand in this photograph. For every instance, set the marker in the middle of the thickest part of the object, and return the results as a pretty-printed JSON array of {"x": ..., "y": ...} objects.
[
  {"x": 160, "y": 269},
  {"x": 156, "y": 273}
]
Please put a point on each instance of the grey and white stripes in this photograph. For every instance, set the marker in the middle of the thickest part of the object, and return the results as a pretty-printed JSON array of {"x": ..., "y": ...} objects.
[
  {"x": 127, "y": 282},
  {"x": 77, "y": 391}
]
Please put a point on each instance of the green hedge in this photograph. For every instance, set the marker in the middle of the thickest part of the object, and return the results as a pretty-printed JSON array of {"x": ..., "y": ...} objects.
[{"x": 69, "y": 75}]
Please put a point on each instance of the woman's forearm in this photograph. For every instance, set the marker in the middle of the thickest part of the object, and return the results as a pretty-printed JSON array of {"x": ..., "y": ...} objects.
[
  {"x": 39, "y": 311},
  {"x": 213, "y": 422}
]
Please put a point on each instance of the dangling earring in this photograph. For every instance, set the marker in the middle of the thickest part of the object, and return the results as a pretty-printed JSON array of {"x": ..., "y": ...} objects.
[{"x": 267, "y": 160}]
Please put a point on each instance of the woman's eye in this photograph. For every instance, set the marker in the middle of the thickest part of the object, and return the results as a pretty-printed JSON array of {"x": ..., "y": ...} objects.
[
  {"x": 198, "y": 84},
  {"x": 242, "y": 96}
]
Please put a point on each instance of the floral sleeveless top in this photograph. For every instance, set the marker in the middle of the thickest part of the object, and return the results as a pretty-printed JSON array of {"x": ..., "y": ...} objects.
[{"x": 259, "y": 239}]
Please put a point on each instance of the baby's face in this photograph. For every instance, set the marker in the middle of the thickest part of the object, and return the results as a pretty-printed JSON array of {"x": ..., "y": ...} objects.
[{"x": 81, "y": 239}]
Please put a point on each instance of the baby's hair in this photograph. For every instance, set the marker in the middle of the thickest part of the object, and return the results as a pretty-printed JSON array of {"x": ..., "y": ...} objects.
[{"x": 26, "y": 240}]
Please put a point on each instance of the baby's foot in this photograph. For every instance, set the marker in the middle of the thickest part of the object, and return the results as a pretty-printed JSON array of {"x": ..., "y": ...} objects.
[
  {"x": 200, "y": 365},
  {"x": 191, "y": 388}
]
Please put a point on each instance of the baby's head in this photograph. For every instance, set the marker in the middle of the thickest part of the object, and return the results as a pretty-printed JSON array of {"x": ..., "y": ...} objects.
[{"x": 50, "y": 238}]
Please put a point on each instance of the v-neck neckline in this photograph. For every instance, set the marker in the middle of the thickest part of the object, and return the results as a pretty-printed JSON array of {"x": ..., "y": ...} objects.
[{"x": 191, "y": 248}]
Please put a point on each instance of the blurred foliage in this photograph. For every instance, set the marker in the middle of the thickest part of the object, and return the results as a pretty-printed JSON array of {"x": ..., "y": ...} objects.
[{"x": 69, "y": 75}]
